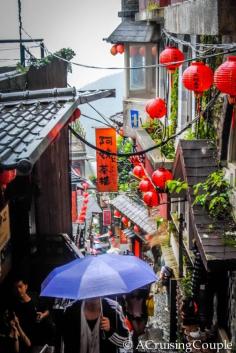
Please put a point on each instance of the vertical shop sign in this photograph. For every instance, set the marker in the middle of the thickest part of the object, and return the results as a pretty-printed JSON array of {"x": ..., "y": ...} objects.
[
  {"x": 106, "y": 165},
  {"x": 106, "y": 218}
]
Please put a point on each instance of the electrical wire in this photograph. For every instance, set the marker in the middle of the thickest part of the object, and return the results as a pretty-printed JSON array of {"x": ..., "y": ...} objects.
[
  {"x": 164, "y": 142},
  {"x": 101, "y": 115},
  {"x": 97, "y": 120},
  {"x": 226, "y": 51}
]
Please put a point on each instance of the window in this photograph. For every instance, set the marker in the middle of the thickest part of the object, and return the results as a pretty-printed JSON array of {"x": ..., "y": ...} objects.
[{"x": 141, "y": 82}]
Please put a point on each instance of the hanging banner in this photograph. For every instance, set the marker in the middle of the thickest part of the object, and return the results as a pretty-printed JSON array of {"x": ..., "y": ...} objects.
[
  {"x": 106, "y": 218},
  {"x": 107, "y": 178}
]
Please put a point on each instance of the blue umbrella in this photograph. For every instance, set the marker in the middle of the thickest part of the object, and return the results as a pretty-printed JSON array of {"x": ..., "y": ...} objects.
[{"x": 98, "y": 276}]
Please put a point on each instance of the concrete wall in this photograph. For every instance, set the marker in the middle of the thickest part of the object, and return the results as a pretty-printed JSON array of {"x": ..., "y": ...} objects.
[{"x": 210, "y": 17}]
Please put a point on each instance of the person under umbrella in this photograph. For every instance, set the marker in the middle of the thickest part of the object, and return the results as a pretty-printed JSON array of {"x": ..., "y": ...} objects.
[{"x": 94, "y": 326}]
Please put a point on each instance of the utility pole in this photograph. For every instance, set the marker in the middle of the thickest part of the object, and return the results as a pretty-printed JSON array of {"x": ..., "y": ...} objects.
[
  {"x": 181, "y": 228},
  {"x": 22, "y": 49}
]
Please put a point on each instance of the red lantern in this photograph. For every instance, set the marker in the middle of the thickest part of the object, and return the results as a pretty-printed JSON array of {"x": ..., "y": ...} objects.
[
  {"x": 148, "y": 237},
  {"x": 133, "y": 51},
  {"x": 172, "y": 58},
  {"x": 145, "y": 185},
  {"x": 110, "y": 232},
  {"x": 125, "y": 220},
  {"x": 113, "y": 50},
  {"x": 77, "y": 114},
  {"x": 198, "y": 78},
  {"x": 85, "y": 194},
  {"x": 136, "y": 229},
  {"x": 156, "y": 108},
  {"x": 117, "y": 214},
  {"x": 85, "y": 186},
  {"x": 142, "y": 51},
  {"x": 225, "y": 78},
  {"x": 161, "y": 176},
  {"x": 154, "y": 51},
  {"x": 120, "y": 48},
  {"x": 85, "y": 201},
  {"x": 82, "y": 218},
  {"x": 151, "y": 198},
  {"x": 121, "y": 132},
  {"x": 138, "y": 171},
  {"x": 7, "y": 176},
  {"x": 84, "y": 208}
]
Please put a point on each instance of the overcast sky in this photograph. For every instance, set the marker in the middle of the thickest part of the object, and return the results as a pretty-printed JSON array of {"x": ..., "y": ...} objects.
[{"x": 78, "y": 24}]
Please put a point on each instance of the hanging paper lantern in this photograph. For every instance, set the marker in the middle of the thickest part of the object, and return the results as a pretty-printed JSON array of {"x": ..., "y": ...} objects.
[
  {"x": 85, "y": 186},
  {"x": 136, "y": 229},
  {"x": 125, "y": 220},
  {"x": 151, "y": 198},
  {"x": 156, "y": 108},
  {"x": 161, "y": 176},
  {"x": 148, "y": 237},
  {"x": 142, "y": 51},
  {"x": 138, "y": 171},
  {"x": 77, "y": 114},
  {"x": 85, "y": 194},
  {"x": 121, "y": 132},
  {"x": 172, "y": 58},
  {"x": 133, "y": 51},
  {"x": 110, "y": 233},
  {"x": 198, "y": 77},
  {"x": 113, "y": 50},
  {"x": 7, "y": 176},
  {"x": 154, "y": 51},
  {"x": 82, "y": 218},
  {"x": 225, "y": 78},
  {"x": 120, "y": 48},
  {"x": 145, "y": 185},
  {"x": 117, "y": 214},
  {"x": 84, "y": 208},
  {"x": 85, "y": 201}
]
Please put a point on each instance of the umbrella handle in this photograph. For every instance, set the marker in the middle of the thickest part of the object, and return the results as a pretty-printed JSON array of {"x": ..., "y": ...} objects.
[{"x": 103, "y": 332}]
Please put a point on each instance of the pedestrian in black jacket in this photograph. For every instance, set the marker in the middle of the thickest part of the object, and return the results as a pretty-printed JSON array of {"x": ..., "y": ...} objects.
[{"x": 94, "y": 326}]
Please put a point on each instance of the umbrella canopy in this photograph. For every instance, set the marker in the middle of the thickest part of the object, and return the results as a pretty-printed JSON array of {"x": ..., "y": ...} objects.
[{"x": 98, "y": 276}]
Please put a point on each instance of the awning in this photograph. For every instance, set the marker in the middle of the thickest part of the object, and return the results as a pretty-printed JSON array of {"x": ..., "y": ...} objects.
[
  {"x": 194, "y": 161},
  {"x": 137, "y": 213},
  {"x": 129, "y": 233},
  {"x": 30, "y": 121},
  {"x": 135, "y": 32}
]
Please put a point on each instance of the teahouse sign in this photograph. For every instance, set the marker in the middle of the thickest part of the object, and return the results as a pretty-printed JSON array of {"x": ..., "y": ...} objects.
[{"x": 106, "y": 165}]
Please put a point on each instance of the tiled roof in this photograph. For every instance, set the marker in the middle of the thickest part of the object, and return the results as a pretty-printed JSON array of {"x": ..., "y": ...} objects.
[
  {"x": 117, "y": 119},
  {"x": 196, "y": 160},
  {"x": 135, "y": 32},
  {"x": 30, "y": 120},
  {"x": 138, "y": 214}
]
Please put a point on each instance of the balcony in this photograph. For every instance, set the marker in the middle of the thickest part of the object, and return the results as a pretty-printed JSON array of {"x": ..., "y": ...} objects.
[
  {"x": 192, "y": 17},
  {"x": 155, "y": 158},
  {"x": 151, "y": 10}
]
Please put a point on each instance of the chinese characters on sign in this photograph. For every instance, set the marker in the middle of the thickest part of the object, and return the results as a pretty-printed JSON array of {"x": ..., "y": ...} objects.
[
  {"x": 106, "y": 165},
  {"x": 106, "y": 217}
]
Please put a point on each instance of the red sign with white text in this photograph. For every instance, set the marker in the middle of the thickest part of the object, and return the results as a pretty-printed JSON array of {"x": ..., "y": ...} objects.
[{"x": 107, "y": 178}]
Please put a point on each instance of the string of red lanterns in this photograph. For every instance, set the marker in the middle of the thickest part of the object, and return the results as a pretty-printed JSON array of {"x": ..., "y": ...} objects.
[
  {"x": 117, "y": 49},
  {"x": 84, "y": 207}
]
